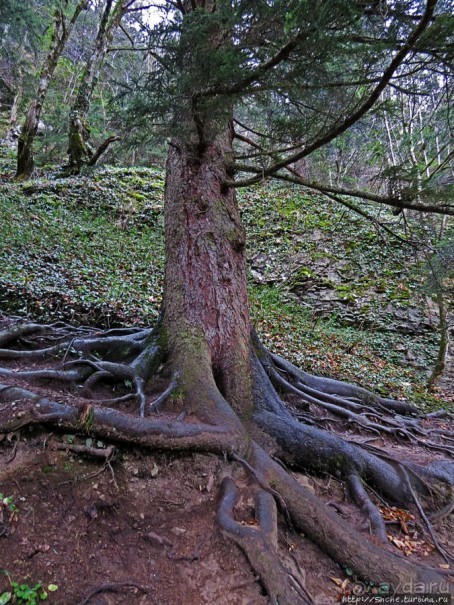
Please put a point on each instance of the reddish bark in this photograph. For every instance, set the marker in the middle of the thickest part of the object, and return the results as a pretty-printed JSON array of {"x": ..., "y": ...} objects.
[{"x": 206, "y": 308}]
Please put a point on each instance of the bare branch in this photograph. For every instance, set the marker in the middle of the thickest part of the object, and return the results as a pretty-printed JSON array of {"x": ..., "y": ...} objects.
[
  {"x": 394, "y": 202},
  {"x": 370, "y": 218},
  {"x": 140, "y": 8}
]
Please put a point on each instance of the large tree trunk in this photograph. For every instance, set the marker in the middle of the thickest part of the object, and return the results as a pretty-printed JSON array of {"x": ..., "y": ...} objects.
[
  {"x": 62, "y": 31},
  {"x": 206, "y": 309}
]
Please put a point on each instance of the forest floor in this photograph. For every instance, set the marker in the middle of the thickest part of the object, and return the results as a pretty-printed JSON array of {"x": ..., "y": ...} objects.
[
  {"x": 140, "y": 525},
  {"x": 146, "y": 520}
]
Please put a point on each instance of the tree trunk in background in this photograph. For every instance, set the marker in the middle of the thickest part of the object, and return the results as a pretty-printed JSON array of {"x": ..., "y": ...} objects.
[
  {"x": 62, "y": 31},
  {"x": 440, "y": 364},
  {"x": 16, "y": 100},
  {"x": 79, "y": 149},
  {"x": 206, "y": 315}
]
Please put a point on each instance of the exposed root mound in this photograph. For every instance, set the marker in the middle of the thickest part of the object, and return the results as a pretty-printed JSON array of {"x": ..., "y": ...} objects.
[{"x": 103, "y": 372}]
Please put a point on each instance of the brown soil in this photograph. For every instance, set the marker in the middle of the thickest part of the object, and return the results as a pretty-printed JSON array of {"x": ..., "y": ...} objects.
[{"x": 146, "y": 518}]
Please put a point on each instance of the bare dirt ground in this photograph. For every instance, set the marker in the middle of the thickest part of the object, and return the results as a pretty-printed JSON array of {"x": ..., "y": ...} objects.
[
  {"x": 139, "y": 526},
  {"x": 143, "y": 518},
  {"x": 149, "y": 519}
]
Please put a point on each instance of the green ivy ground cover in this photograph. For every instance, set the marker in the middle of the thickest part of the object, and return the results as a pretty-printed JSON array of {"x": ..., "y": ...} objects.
[{"x": 91, "y": 250}]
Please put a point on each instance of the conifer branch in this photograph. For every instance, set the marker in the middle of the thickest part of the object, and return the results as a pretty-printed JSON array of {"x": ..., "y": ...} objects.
[{"x": 340, "y": 128}]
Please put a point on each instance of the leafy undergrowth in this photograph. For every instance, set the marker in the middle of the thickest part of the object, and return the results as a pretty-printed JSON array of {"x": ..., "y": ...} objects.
[
  {"x": 91, "y": 250},
  {"x": 320, "y": 346}
]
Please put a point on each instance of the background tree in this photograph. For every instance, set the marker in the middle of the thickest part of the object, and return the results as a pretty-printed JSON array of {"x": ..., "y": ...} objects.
[
  {"x": 79, "y": 149},
  {"x": 21, "y": 27},
  {"x": 25, "y": 45},
  {"x": 439, "y": 283},
  {"x": 61, "y": 31},
  {"x": 281, "y": 60}
]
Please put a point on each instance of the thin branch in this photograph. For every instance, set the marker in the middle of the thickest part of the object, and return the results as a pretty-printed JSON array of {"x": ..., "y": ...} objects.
[
  {"x": 387, "y": 201},
  {"x": 446, "y": 555},
  {"x": 140, "y": 8},
  {"x": 128, "y": 48},
  {"x": 248, "y": 128},
  {"x": 370, "y": 218},
  {"x": 126, "y": 33}
]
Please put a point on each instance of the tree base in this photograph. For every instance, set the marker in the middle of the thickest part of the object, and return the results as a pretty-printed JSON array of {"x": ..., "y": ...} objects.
[{"x": 131, "y": 364}]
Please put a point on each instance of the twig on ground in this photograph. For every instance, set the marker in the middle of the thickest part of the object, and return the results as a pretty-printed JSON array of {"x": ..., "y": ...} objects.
[{"x": 446, "y": 556}]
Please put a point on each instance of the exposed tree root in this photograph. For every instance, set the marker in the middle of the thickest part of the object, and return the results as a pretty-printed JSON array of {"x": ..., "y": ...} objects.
[
  {"x": 357, "y": 406},
  {"x": 446, "y": 555},
  {"x": 106, "y": 453},
  {"x": 361, "y": 497},
  {"x": 335, "y": 536},
  {"x": 259, "y": 543},
  {"x": 112, "y": 588},
  {"x": 30, "y": 409},
  {"x": 140, "y": 352},
  {"x": 444, "y": 512},
  {"x": 344, "y": 393},
  {"x": 176, "y": 419}
]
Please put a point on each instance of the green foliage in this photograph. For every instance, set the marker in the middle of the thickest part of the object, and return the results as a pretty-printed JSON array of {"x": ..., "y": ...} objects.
[
  {"x": 322, "y": 346},
  {"x": 25, "y": 594},
  {"x": 26, "y": 20},
  {"x": 85, "y": 248},
  {"x": 208, "y": 55},
  {"x": 306, "y": 246},
  {"x": 8, "y": 503},
  {"x": 91, "y": 250}
]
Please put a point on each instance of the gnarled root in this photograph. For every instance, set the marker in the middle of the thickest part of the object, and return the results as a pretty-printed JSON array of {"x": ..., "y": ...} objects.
[
  {"x": 139, "y": 351},
  {"x": 259, "y": 543},
  {"x": 361, "y": 497},
  {"x": 205, "y": 422},
  {"x": 335, "y": 536},
  {"x": 172, "y": 434}
]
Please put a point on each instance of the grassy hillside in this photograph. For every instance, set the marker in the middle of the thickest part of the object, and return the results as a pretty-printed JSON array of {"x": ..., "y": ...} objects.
[{"x": 325, "y": 287}]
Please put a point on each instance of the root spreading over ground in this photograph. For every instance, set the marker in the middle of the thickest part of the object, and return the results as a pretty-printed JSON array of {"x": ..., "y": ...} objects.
[{"x": 117, "y": 385}]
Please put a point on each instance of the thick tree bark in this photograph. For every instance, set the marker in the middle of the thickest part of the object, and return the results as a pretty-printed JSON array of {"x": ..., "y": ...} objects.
[
  {"x": 61, "y": 33},
  {"x": 206, "y": 317},
  {"x": 206, "y": 308}
]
